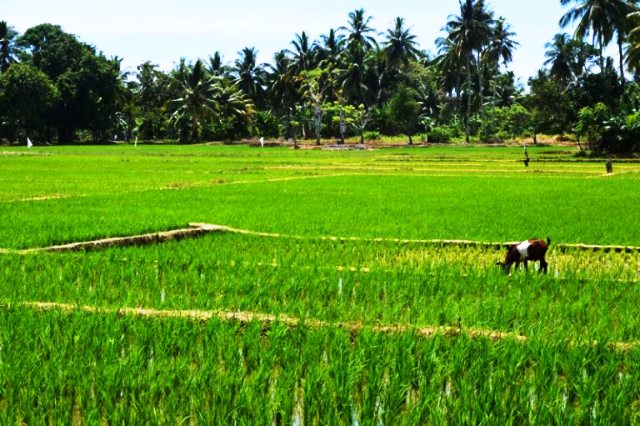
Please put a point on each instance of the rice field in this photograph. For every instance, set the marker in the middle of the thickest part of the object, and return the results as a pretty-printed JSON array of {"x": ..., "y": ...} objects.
[{"x": 378, "y": 326}]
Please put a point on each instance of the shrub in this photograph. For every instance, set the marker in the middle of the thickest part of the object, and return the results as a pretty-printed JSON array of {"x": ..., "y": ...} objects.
[
  {"x": 372, "y": 135},
  {"x": 440, "y": 135}
]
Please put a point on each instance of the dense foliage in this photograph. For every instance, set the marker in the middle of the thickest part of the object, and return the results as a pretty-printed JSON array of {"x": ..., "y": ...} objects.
[{"x": 350, "y": 81}]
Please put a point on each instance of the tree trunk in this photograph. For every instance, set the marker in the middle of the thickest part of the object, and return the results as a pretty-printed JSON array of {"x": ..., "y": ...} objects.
[
  {"x": 343, "y": 127},
  {"x": 318, "y": 119},
  {"x": 467, "y": 127},
  {"x": 317, "y": 130},
  {"x": 601, "y": 50},
  {"x": 480, "y": 105},
  {"x": 621, "y": 63},
  {"x": 287, "y": 125},
  {"x": 495, "y": 89}
]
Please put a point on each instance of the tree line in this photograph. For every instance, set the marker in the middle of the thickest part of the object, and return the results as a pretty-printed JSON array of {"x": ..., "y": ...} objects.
[{"x": 352, "y": 81}]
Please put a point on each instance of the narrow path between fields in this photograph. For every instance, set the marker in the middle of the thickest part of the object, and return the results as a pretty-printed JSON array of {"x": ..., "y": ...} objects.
[
  {"x": 248, "y": 316},
  {"x": 199, "y": 229}
]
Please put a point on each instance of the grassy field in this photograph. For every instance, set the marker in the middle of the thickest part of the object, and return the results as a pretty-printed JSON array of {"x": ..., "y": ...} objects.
[
  {"x": 307, "y": 330},
  {"x": 65, "y": 194}
]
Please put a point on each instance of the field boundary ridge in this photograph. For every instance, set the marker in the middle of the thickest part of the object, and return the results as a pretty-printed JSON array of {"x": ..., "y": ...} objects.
[
  {"x": 243, "y": 317},
  {"x": 197, "y": 229}
]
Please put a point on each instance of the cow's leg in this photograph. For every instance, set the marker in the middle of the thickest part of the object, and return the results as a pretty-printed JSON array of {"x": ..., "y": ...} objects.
[{"x": 543, "y": 266}]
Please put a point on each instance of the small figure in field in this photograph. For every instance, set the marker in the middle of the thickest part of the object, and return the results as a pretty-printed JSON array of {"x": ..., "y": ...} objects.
[
  {"x": 530, "y": 250},
  {"x": 609, "y": 165},
  {"x": 526, "y": 157}
]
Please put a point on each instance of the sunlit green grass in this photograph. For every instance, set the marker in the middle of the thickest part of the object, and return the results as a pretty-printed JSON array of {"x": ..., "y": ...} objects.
[
  {"x": 81, "y": 368},
  {"x": 59, "y": 367},
  {"x": 567, "y": 209},
  {"x": 584, "y": 297}
]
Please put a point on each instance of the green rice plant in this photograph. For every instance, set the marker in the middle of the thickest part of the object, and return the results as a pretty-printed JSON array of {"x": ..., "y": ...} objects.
[
  {"x": 409, "y": 193},
  {"x": 80, "y": 367},
  {"x": 383, "y": 283},
  {"x": 346, "y": 340}
]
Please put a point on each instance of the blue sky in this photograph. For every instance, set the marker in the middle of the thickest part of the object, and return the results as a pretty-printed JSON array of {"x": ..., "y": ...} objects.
[{"x": 162, "y": 31}]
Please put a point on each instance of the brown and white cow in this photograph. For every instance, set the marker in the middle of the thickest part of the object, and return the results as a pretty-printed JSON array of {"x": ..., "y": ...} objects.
[{"x": 530, "y": 250}]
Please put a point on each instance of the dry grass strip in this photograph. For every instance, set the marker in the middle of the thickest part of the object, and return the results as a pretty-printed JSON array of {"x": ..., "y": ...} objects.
[
  {"x": 247, "y": 316},
  {"x": 436, "y": 242},
  {"x": 43, "y": 198},
  {"x": 199, "y": 229},
  {"x": 134, "y": 240}
]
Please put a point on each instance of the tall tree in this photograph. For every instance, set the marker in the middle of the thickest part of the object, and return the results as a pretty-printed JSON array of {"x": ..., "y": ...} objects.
[
  {"x": 88, "y": 83},
  {"x": 450, "y": 66},
  {"x": 559, "y": 56},
  {"x": 469, "y": 32},
  {"x": 249, "y": 76},
  {"x": 216, "y": 67},
  {"x": 359, "y": 33},
  {"x": 197, "y": 102},
  {"x": 353, "y": 70},
  {"x": 400, "y": 46},
  {"x": 568, "y": 58},
  {"x": 233, "y": 110},
  {"x": 7, "y": 46},
  {"x": 151, "y": 93},
  {"x": 405, "y": 111},
  {"x": 633, "y": 47},
  {"x": 351, "y": 75},
  {"x": 26, "y": 97},
  {"x": 302, "y": 53},
  {"x": 500, "y": 47},
  {"x": 282, "y": 88},
  {"x": 602, "y": 19},
  {"x": 330, "y": 49}
]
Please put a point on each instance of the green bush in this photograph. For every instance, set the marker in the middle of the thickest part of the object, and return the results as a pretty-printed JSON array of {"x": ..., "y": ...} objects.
[
  {"x": 440, "y": 135},
  {"x": 372, "y": 135}
]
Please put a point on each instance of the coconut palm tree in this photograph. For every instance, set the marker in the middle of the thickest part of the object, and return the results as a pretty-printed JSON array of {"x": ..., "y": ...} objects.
[
  {"x": 469, "y": 32},
  {"x": 302, "y": 53},
  {"x": 351, "y": 74},
  {"x": 559, "y": 56},
  {"x": 197, "y": 101},
  {"x": 282, "y": 87},
  {"x": 216, "y": 67},
  {"x": 250, "y": 76},
  {"x": 329, "y": 51},
  {"x": 7, "y": 39},
  {"x": 568, "y": 58},
  {"x": 633, "y": 47},
  {"x": 501, "y": 46},
  {"x": 233, "y": 109},
  {"x": 353, "y": 68},
  {"x": 602, "y": 19},
  {"x": 359, "y": 33},
  {"x": 450, "y": 67},
  {"x": 400, "y": 45}
]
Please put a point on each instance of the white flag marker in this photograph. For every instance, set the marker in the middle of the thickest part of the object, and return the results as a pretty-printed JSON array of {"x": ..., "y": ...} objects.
[{"x": 29, "y": 144}]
